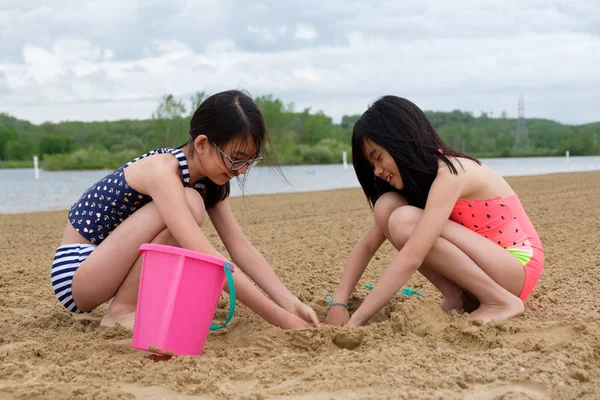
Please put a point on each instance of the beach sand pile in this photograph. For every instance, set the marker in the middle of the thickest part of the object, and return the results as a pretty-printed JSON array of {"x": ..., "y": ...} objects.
[{"x": 412, "y": 350}]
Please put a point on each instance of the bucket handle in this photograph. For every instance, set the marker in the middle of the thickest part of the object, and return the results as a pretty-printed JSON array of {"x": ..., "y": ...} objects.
[{"x": 227, "y": 267}]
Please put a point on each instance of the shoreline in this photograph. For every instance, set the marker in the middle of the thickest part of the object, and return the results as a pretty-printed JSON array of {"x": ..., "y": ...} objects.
[
  {"x": 8, "y": 164},
  {"x": 508, "y": 178}
]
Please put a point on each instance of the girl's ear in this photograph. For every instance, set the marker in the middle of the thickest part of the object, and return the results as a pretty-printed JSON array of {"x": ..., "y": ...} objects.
[{"x": 201, "y": 144}]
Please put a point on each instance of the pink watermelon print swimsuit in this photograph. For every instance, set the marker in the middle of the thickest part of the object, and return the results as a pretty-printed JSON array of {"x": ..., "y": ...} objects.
[{"x": 503, "y": 221}]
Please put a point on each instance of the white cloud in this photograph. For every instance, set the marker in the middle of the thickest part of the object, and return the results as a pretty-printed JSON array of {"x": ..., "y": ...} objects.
[
  {"x": 42, "y": 66},
  {"x": 108, "y": 54},
  {"x": 76, "y": 50},
  {"x": 305, "y": 32},
  {"x": 262, "y": 33},
  {"x": 172, "y": 47},
  {"x": 221, "y": 46},
  {"x": 92, "y": 62},
  {"x": 307, "y": 74}
]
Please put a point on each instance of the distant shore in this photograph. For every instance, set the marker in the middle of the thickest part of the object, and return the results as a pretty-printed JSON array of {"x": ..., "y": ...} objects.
[{"x": 111, "y": 164}]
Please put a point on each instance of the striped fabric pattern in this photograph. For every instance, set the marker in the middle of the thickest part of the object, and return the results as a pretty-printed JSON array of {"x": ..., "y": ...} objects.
[
  {"x": 185, "y": 171},
  {"x": 67, "y": 260}
]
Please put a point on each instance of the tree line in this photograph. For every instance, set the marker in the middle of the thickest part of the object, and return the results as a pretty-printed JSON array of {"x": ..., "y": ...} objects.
[{"x": 297, "y": 137}]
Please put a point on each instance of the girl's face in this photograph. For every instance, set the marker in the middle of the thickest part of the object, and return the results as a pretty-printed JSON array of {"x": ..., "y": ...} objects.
[
  {"x": 384, "y": 166},
  {"x": 222, "y": 163}
]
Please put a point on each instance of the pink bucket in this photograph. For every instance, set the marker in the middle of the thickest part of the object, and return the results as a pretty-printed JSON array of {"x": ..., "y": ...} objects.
[{"x": 178, "y": 296}]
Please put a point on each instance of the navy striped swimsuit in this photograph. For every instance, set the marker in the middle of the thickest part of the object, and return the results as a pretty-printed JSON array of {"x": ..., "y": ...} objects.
[
  {"x": 95, "y": 215},
  {"x": 111, "y": 200}
]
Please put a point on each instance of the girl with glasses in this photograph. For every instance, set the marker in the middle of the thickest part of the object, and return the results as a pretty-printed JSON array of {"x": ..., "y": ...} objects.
[{"x": 163, "y": 197}]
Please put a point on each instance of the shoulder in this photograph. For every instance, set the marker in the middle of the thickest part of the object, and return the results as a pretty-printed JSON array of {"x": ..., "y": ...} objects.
[
  {"x": 462, "y": 165},
  {"x": 467, "y": 172},
  {"x": 465, "y": 168},
  {"x": 142, "y": 174},
  {"x": 474, "y": 180},
  {"x": 161, "y": 162}
]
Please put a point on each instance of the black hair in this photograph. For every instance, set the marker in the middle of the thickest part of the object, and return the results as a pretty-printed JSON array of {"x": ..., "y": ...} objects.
[
  {"x": 405, "y": 132},
  {"x": 223, "y": 117}
]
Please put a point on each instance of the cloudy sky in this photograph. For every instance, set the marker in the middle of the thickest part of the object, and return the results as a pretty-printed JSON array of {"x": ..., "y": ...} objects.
[{"x": 112, "y": 59}]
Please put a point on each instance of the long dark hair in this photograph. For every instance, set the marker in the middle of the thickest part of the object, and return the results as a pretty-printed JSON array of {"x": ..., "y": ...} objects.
[
  {"x": 223, "y": 117},
  {"x": 405, "y": 132}
]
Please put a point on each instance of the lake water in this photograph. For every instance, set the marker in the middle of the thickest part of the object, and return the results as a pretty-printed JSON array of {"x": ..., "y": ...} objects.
[{"x": 20, "y": 192}]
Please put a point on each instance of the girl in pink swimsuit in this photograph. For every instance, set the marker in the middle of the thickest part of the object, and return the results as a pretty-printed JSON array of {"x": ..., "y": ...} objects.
[{"x": 450, "y": 217}]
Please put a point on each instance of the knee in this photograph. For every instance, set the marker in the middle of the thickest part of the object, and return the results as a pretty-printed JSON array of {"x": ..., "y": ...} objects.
[
  {"x": 402, "y": 222},
  {"x": 196, "y": 204},
  {"x": 384, "y": 207}
]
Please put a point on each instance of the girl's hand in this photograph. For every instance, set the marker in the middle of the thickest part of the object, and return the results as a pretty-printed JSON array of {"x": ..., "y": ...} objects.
[
  {"x": 337, "y": 316},
  {"x": 353, "y": 324},
  {"x": 291, "y": 321},
  {"x": 306, "y": 313}
]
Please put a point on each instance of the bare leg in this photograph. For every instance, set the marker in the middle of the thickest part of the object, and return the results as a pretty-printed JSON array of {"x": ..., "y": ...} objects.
[
  {"x": 113, "y": 268},
  {"x": 454, "y": 296},
  {"x": 470, "y": 260},
  {"x": 121, "y": 309}
]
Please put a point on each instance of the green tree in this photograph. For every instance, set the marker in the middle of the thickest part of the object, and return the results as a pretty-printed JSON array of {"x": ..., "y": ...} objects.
[
  {"x": 196, "y": 100},
  {"x": 169, "y": 122},
  {"x": 315, "y": 127},
  {"x": 348, "y": 121},
  {"x": 55, "y": 144},
  {"x": 22, "y": 149},
  {"x": 296, "y": 136},
  {"x": 6, "y": 135}
]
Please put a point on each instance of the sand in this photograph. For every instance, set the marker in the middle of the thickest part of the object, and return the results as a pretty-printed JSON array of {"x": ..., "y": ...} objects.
[{"x": 412, "y": 350}]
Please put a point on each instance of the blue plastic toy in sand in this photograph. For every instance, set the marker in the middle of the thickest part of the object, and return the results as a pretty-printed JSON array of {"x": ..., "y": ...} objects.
[{"x": 406, "y": 291}]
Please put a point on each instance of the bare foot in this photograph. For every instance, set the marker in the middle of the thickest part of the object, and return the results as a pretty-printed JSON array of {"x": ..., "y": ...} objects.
[
  {"x": 460, "y": 301},
  {"x": 470, "y": 302},
  {"x": 497, "y": 312},
  {"x": 125, "y": 320},
  {"x": 452, "y": 303},
  {"x": 123, "y": 317}
]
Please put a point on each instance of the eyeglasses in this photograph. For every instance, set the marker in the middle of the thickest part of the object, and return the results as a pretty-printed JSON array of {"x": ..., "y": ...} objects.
[{"x": 236, "y": 165}]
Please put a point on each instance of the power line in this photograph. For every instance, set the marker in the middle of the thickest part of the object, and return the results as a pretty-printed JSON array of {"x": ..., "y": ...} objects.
[{"x": 521, "y": 135}]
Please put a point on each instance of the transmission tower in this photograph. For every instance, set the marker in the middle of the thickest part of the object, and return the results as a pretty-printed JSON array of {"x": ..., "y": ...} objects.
[{"x": 521, "y": 136}]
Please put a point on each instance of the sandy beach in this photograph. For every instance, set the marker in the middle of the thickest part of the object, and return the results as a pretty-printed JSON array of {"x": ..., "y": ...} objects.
[{"x": 412, "y": 350}]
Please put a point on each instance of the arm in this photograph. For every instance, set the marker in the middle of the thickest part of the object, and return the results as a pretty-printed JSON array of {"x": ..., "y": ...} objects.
[
  {"x": 248, "y": 294},
  {"x": 357, "y": 262},
  {"x": 443, "y": 194},
  {"x": 247, "y": 257},
  {"x": 158, "y": 177},
  {"x": 170, "y": 200}
]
